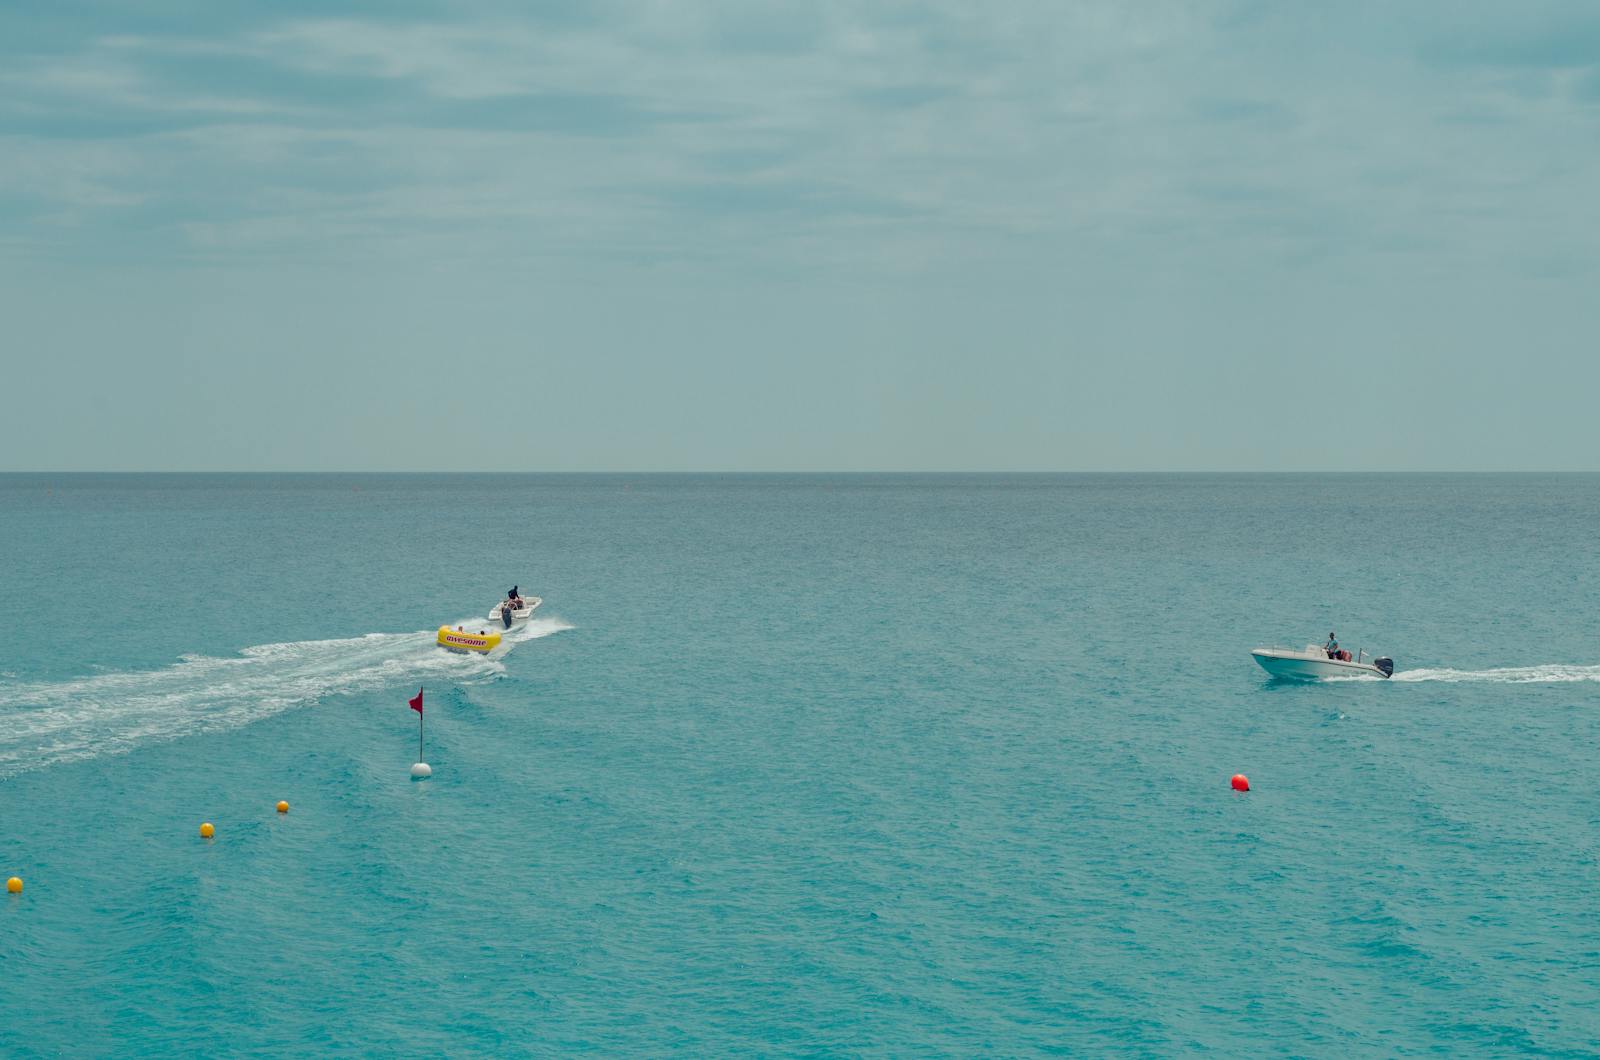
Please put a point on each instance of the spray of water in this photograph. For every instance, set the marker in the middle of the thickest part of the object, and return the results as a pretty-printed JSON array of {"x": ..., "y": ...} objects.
[
  {"x": 57, "y": 721},
  {"x": 1550, "y": 673}
]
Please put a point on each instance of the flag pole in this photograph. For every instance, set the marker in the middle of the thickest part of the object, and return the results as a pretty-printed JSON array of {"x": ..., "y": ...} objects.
[{"x": 420, "y": 770}]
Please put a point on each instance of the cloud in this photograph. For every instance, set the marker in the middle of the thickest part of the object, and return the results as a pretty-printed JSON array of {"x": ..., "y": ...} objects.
[
  {"x": 1536, "y": 36},
  {"x": 701, "y": 130}
]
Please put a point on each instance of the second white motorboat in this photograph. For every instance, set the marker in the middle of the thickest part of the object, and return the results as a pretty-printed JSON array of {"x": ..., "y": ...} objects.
[
  {"x": 1313, "y": 663},
  {"x": 508, "y": 613}
]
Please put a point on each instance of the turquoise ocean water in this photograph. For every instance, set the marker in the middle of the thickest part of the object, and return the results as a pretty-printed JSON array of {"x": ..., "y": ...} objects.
[{"x": 905, "y": 765}]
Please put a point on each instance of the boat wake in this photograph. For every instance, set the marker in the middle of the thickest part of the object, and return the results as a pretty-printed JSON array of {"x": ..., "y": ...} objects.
[
  {"x": 1550, "y": 673},
  {"x": 61, "y": 721}
]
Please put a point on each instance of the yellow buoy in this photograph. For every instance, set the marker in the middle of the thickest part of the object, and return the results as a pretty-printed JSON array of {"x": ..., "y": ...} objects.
[
  {"x": 14, "y": 885},
  {"x": 206, "y": 831},
  {"x": 283, "y": 807}
]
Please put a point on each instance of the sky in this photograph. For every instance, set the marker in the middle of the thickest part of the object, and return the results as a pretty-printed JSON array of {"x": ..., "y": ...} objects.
[{"x": 866, "y": 235}]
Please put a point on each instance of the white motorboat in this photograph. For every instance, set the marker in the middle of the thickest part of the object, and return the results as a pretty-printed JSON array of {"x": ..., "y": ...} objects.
[
  {"x": 1312, "y": 663},
  {"x": 508, "y": 616}
]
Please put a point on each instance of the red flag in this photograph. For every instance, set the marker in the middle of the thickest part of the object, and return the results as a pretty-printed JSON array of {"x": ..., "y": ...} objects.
[{"x": 416, "y": 704}]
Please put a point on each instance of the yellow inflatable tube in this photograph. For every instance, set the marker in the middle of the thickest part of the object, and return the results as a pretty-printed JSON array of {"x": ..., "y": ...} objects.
[{"x": 460, "y": 640}]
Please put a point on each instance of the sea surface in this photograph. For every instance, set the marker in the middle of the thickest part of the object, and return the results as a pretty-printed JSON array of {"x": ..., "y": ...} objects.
[{"x": 909, "y": 765}]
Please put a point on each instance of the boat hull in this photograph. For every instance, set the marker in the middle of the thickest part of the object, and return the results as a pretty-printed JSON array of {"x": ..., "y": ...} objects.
[
  {"x": 519, "y": 616},
  {"x": 1297, "y": 666}
]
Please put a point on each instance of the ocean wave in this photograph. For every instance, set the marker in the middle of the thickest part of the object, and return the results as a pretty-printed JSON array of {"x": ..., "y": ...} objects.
[{"x": 112, "y": 712}]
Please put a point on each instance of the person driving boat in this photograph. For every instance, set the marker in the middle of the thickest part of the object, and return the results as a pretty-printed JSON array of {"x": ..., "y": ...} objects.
[{"x": 1332, "y": 647}]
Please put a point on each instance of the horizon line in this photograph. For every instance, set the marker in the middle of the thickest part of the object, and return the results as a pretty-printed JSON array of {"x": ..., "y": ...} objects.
[{"x": 815, "y": 471}]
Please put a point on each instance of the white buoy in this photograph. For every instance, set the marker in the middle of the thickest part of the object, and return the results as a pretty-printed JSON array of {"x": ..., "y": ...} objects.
[{"x": 421, "y": 771}]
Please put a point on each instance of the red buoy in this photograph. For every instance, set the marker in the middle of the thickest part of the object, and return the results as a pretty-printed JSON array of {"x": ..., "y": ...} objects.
[{"x": 1241, "y": 782}]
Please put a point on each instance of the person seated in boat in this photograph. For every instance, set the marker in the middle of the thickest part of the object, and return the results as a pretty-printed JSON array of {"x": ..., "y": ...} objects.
[
  {"x": 1332, "y": 647},
  {"x": 515, "y": 599}
]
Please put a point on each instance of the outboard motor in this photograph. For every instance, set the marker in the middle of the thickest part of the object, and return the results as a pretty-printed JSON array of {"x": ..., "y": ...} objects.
[
  {"x": 505, "y": 615},
  {"x": 1386, "y": 665}
]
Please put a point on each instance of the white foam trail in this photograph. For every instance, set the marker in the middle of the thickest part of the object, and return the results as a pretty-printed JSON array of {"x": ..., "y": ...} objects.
[
  {"x": 110, "y": 713},
  {"x": 1550, "y": 673}
]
